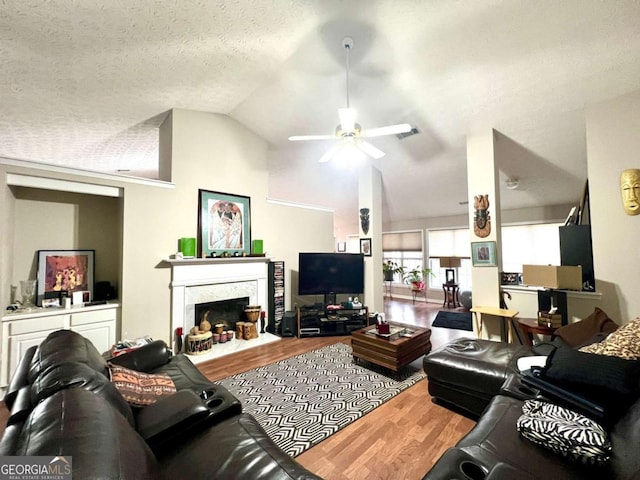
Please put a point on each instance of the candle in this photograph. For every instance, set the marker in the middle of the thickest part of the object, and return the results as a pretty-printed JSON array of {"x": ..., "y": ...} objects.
[{"x": 188, "y": 247}]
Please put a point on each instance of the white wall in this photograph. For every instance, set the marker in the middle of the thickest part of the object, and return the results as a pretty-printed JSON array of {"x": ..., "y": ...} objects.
[
  {"x": 7, "y": 228},
  {"x": 482, "y": 178},
  {"x": 51, "y": 220},
  {"x": 204, "y": 151},
  {"x": 211, "y": 152},
  {"x": 294, "y": 230},
  {"x": 613, "y": 145}
]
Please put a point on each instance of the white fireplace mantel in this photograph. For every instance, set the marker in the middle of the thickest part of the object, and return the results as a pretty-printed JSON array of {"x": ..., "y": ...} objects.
[
  {"x": 199, "y": 280},
  {"x": 216, "y": 278}
]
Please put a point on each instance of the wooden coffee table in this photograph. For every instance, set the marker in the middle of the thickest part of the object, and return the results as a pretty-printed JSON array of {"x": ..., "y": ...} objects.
[{"x": 394, "y": 351}]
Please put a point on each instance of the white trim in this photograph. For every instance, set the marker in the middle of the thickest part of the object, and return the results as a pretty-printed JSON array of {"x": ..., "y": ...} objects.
[
  {"x": 535, "y": 290},
  {"x": 287, "y": 203},
  {"x": 219, "y": 260},
  {"x": 62, "y": 185},
  {"x": 84, "y": 173}
]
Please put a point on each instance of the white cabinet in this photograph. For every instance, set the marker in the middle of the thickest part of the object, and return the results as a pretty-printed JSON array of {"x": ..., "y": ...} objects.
[
  {"x": 22, "y": 330},
  {"x": 98, "y": 326}
]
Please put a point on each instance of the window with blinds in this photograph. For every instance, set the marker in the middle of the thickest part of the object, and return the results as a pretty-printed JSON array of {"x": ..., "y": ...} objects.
[
  {"x": 530, "y": 245},
  {"x": 403, "y": 248},
  {"x": 402, "y": 241},
  {"x": 537, "y": 244},
  {"x": 446, "y": 244}
]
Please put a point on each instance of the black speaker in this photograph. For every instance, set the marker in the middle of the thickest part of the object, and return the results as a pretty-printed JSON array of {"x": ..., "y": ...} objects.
[
  {"x": 104, "y": 291},
  {"x": 576, "y": 249},
  {"x": 288, "y": 324}
]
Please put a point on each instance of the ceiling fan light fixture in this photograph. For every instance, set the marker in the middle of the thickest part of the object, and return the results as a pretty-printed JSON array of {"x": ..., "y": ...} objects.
[
  {"x": 329, "y": 154},
  {"x": 349, "y": 133},
  {"x": 347, "y": 119},
  {"x": 349, "y": 154}
]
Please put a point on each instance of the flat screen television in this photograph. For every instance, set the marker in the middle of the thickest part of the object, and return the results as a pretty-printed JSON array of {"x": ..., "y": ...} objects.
[{"x": 330, "y": 273}]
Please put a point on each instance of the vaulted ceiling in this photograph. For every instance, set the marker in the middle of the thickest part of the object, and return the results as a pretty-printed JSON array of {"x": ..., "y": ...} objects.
[{"x": 86, "y": 83}]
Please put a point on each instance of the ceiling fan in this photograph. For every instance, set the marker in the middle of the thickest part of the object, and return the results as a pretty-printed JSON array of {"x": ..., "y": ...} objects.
[{"x": 349, "y": 133}]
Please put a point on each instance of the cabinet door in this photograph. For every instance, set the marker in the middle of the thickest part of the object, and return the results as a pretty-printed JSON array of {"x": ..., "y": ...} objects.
[
  {"x": 102, "y": 335},
  {"x": 99, "y": 326},
  {"x": 18, "y": 344}
]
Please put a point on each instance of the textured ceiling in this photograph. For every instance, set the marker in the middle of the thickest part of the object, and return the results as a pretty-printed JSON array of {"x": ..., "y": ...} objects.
[{"x": 86, "y": 83}]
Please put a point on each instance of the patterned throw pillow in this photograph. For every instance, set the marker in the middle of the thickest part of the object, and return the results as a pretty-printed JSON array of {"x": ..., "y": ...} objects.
[
  {"x": 141, "y": 389},
  {"x": 623, "y": 343},
  {"x": 564, "y": 432}
]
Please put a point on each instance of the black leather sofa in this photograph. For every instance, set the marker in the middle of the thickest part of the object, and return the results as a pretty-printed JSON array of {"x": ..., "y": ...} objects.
[
  {"x": 468, "y": 372},
  {"x": 480, "y": 378},
  {"x": 62, "y": 403}
]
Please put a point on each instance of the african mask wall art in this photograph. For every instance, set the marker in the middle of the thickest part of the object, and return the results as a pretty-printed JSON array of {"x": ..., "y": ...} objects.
[
  {"x": 481, "y": 218},
  {"x": 364, "y": 220},
  {"x": 630, "y": 189}
]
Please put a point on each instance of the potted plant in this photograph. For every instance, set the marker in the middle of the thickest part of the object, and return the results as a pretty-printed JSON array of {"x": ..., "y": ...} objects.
[
  {"x": 389, "y": 269},
  {"x": 415, "y": 277}
]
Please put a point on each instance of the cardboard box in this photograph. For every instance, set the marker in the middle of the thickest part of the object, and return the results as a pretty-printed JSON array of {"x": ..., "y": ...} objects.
[{"x": 553, "y": 276}]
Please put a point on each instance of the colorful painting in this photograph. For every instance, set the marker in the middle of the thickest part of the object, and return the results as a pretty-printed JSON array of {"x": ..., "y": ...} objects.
[
  {"x": 483, "y": 254},
  {"x": 224, "y": 224},
  {"x": 61, "y": 272}
]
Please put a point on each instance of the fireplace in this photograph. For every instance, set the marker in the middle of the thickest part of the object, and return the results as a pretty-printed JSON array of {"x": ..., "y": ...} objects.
[
  {"x": 226, "y": 312},
  {"x": 211, "y": 280}
]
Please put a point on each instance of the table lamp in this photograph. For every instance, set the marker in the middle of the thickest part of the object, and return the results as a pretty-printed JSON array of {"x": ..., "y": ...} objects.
[{"x": 450, "y": 264}]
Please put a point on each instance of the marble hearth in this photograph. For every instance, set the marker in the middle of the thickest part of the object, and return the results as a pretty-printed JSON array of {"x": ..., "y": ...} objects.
[{"x": 195, "y": 281}]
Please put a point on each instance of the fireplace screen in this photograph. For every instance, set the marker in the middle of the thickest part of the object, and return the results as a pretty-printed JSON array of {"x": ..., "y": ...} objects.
[{"x": 226, "y": 312}]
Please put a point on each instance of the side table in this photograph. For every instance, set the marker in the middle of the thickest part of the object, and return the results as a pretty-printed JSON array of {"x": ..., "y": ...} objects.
[
  {"x": 450, "y": 295},
  {"x": 529, "y": 327},
  {"x": 503, "y": 314}
]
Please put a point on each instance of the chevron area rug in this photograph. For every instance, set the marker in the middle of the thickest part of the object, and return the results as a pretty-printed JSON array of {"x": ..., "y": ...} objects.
[{"x": 302, "y": 400}]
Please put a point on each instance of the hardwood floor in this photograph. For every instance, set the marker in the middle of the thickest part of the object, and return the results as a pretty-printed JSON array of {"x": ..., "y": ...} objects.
[{"x": 401, "y": 439}]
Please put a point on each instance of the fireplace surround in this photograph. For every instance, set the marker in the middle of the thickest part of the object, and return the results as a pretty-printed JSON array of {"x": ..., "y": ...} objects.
[{"x": 203, "y": 280}]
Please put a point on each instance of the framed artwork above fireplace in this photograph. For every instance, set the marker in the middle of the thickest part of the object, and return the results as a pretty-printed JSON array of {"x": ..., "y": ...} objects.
[{"x": 224, "y": 224}]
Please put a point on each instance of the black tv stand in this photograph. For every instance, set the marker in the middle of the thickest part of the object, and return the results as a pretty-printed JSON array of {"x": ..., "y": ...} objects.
[{"x": 318, "y": 321}]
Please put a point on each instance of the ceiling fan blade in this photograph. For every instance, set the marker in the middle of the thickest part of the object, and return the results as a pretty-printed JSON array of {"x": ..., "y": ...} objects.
[
  {"x": 347, "y": 119},
  {"x": 370, "y": 150},
  {"x": 390, "y": 130},
  {"x": 330, "y": 153},
  {"x": 297, "y": 138}
]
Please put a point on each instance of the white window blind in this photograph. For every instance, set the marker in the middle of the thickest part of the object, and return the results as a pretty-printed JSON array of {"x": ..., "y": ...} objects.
[
  {"x": 530, "y": 245},
  {"x": 537, "y": 244},
  {"x": 449, "y": 243},
  {"x": 402, "y": 241}
]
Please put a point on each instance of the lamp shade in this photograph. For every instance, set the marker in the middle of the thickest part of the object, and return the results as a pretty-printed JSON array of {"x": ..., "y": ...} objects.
[{"x": 450, "y": 262}]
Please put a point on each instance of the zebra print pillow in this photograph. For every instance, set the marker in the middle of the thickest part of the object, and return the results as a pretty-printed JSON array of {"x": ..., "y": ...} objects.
[{"x": 564, "y": 432}]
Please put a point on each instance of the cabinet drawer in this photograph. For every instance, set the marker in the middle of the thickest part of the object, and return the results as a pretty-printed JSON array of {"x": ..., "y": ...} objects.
[
  {"x": 41, "y": 324},
  {"x": 85, "y": 318}
]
